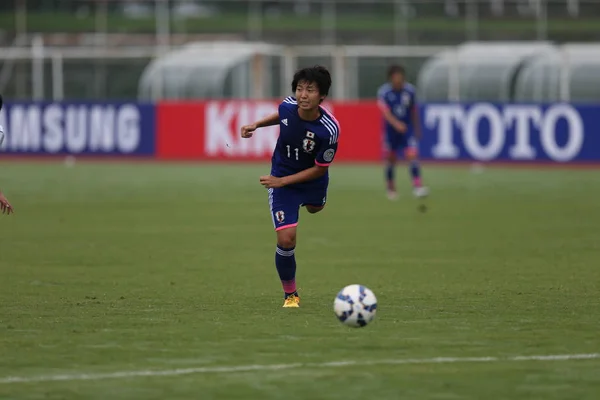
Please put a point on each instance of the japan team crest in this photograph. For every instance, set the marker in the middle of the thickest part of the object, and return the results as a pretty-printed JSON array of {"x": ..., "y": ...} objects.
[
  {"x": 406, "y": 99},
  {"x": 280, "y": 216},
  {"x": 328, "y": 155},
  {"x": 308, "y": 145}
]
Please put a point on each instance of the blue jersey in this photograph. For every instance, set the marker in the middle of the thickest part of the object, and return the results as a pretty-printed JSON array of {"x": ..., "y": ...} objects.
[
  {"x": 402, "y": 104},
  {"x": 302, "y": 144}
]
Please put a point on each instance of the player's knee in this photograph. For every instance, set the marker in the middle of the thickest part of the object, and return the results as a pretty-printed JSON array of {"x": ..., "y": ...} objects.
[
  {"x": 411, "y": 154},
  {"x": 314, "y": 209},
  {"x": 287, "y": 242},
  {"x": 286, "y": 238}
]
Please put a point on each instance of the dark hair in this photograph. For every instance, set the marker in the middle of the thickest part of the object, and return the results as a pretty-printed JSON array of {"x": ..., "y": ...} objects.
[
  {"x": 317, "y": 74},
  {"x": 1, "y": 102},
  {"x": 396, "y": 69}
]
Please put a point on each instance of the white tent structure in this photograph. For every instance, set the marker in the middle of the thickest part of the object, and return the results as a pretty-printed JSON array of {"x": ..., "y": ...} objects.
[
  {"x": 211, "y": 70},
  {"x": 507, "y": 71},
  {"x": 570, "y": 73},
  {"x": 477, "y": 71}
]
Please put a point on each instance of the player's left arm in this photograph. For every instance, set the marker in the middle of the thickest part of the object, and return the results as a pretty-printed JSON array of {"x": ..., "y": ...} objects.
[
  {"x": 323, "y": 159},
  {"x": 309, "y": 174}
]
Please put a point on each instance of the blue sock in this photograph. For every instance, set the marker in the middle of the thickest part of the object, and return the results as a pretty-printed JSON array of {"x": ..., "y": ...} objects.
[
  {"x": 389, "y": 174},
  {"x": 415, "y": 173},
  {"x": 285, "y": 261}
]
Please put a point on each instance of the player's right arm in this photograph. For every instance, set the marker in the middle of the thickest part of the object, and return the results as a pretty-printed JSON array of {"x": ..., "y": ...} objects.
[
  {"x": 248, "y": 130},
  {"x": 387, "y": 112}
]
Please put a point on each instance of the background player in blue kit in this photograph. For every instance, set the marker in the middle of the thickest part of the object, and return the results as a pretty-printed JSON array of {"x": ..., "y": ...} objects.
[
  {"x": 307, "y": 144},
  {"x": 401, "y": 128}
]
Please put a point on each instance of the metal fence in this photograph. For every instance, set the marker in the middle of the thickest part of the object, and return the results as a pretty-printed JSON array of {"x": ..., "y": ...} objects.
[{"x": 77, "y": 73}]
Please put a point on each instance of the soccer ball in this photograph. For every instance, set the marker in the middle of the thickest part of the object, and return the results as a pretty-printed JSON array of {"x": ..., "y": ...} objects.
[{"x": 355, "y": 306}]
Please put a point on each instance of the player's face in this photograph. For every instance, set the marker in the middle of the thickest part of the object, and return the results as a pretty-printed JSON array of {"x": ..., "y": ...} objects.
[
  {"x": 397, "y": 80},
  {"x": 308, "y": 96}
]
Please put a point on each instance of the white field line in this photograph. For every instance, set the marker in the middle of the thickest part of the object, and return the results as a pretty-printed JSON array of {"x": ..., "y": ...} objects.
[{"x": 280, "y": 367}]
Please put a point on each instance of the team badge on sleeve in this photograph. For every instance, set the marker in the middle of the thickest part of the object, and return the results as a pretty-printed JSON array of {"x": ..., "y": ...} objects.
[
  {"x": 280, "y": 216},
  {"x": 328, "y": 155}
]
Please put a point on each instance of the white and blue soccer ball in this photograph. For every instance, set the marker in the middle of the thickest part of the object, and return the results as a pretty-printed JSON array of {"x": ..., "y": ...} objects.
[{"x": 355, "y": 306}]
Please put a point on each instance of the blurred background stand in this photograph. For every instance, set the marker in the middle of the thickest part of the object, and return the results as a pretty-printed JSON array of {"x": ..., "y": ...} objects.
[{"x": 542, "y": 50}]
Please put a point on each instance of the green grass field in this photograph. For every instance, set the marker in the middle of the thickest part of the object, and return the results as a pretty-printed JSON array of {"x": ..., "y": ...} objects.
[{"x": 142, "y": 281}]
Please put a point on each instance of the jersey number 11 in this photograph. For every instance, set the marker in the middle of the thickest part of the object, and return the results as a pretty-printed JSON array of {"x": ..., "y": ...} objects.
[{"x": 296, "y": 150}]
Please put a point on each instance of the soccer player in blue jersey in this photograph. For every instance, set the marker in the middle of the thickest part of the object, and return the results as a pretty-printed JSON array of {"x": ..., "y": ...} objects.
[
  {"x": 5, "y": 206},
  {"x": 307, "y": 144},
  {"x": 401, "y": 128}
]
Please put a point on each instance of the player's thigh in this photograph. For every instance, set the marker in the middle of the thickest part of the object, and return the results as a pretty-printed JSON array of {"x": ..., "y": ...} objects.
[
  {"x": 315, "y": 200},
  {"x": 393, "y": 144},
  {"x": 284, "y": 206}
]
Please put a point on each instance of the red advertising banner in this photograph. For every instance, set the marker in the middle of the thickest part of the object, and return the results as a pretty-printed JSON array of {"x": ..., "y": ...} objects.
[{"x": 211, "y": 130}]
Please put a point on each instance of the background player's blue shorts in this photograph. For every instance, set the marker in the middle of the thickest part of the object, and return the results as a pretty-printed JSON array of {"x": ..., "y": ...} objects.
[
  {"x": 398, "y": 142},
  {"x": 285, "y": 203}
]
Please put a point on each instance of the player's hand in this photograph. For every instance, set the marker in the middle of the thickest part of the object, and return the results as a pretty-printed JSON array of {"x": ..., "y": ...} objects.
[
  {"x": 270, "y": 181},
  {"x": 248, "y": 130},
  {"x": 400, "y": 127},
  {"x": 5, "y": 206}
]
